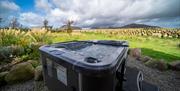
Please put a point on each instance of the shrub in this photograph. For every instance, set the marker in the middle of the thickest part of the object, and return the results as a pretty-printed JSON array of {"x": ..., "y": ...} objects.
[
  {"x": 17, "y": 50},
  {"x": 9, "y": 52},
  {"x": 25, "y": 57},
  {"x": 17, "y": 43},
  {"x": 16, "y": 37},
  {"x": 43, "y": 36},
  {"x": 34, "y": 54},
  {"x": 5, "y": 53}
]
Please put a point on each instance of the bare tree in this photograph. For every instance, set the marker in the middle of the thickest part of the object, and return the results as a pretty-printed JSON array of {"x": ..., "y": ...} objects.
[
  {"x": 45, "y": 22},
  {"x": 69, "y": 27},
  {"x": 1, "y": 19},
  {"x": 14, "y": 23}
]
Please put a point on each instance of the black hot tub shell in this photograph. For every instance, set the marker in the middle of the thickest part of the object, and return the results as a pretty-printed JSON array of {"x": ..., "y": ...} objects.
[{"x": 84, "y": 65}]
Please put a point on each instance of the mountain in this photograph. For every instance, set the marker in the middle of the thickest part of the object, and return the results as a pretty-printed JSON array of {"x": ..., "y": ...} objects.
[{"x": 134, "y": 25}]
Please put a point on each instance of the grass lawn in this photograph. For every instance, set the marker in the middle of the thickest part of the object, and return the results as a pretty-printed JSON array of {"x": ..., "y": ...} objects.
[
  {"x": 158, "y": 48},
  {"x": 155, "y": 47}
]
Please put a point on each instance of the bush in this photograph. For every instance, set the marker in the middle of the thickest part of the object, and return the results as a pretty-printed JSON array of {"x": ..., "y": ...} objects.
[
  {"x": 5, "y": 53},
  {"x": 23, "y": 38},
  {"x": 34, "y": 47},
  {"x": 16, "y": 37},
  {"x": 25, "y": 44},
  {"x": 17, "y": 50},
  {"x": 25, "y": 57},
  {"x": 11, "y": 51},
  {"x": 43, "y": 36}
]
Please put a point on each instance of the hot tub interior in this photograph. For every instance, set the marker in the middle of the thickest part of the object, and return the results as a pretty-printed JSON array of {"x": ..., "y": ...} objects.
[{"x": 88, "y": 49}]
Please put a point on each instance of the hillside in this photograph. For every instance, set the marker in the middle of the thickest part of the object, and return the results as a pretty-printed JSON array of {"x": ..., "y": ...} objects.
[{"x": 134, "y": 25}]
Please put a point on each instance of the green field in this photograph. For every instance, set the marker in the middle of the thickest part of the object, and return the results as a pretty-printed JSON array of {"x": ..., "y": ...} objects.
[{"x": 158, "y": 48}]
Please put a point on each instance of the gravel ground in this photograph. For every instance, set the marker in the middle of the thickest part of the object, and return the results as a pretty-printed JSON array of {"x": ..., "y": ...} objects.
[
  {"x": 166, "y": 80},
  {"x": 26, "y": 86}
]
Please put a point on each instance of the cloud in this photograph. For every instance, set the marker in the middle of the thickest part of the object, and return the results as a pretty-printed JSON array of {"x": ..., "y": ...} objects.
[
  {"x": 88, "y": 13},
  {"x": 63, "y": 4},
  {"x": 31, "y": 19},
  {"x": 55, "y": 17},
  {"x": 7, "y": 10},
  {"x": 7, "y": 7},
  {"x": 166, "y": 22},
  {"x": 43, "y": 5}
]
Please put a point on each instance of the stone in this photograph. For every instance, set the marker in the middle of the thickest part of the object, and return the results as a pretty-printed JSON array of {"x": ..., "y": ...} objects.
[
  {"x": 16, "y": 60},
  {"x": 145, "y": 58},
  {"x": 175, "y": 65},
  {"x": 135, "y": 52},
  {"x": 2, "y": 78},
  {"x": 38, "y": 74},
  {"x": 158, "y": 64},
  {"x": 34, "y": 63},
  {"x": 20, "y": 72}
]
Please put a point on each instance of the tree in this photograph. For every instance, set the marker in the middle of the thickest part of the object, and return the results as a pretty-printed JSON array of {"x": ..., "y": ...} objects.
[
  {"x": 69, "y": 28},
  {"x": 14, "y": 23},
  {"x": 0, "y": 19},
  {"x": 45, "y": 23}
]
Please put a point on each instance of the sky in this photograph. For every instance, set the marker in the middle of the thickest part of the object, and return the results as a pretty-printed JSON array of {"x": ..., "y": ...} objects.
[{"x": 91, "y": 13}]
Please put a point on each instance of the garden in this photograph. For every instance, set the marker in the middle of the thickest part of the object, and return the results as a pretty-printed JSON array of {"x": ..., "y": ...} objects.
[{"x": 157, "y": 48}]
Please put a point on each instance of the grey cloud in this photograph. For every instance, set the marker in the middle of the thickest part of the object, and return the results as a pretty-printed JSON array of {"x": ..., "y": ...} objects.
[
  {"x": 43, "y": 5},
  {"x": 165, "y": 22},
  {"x": 109, "y": 12}
]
